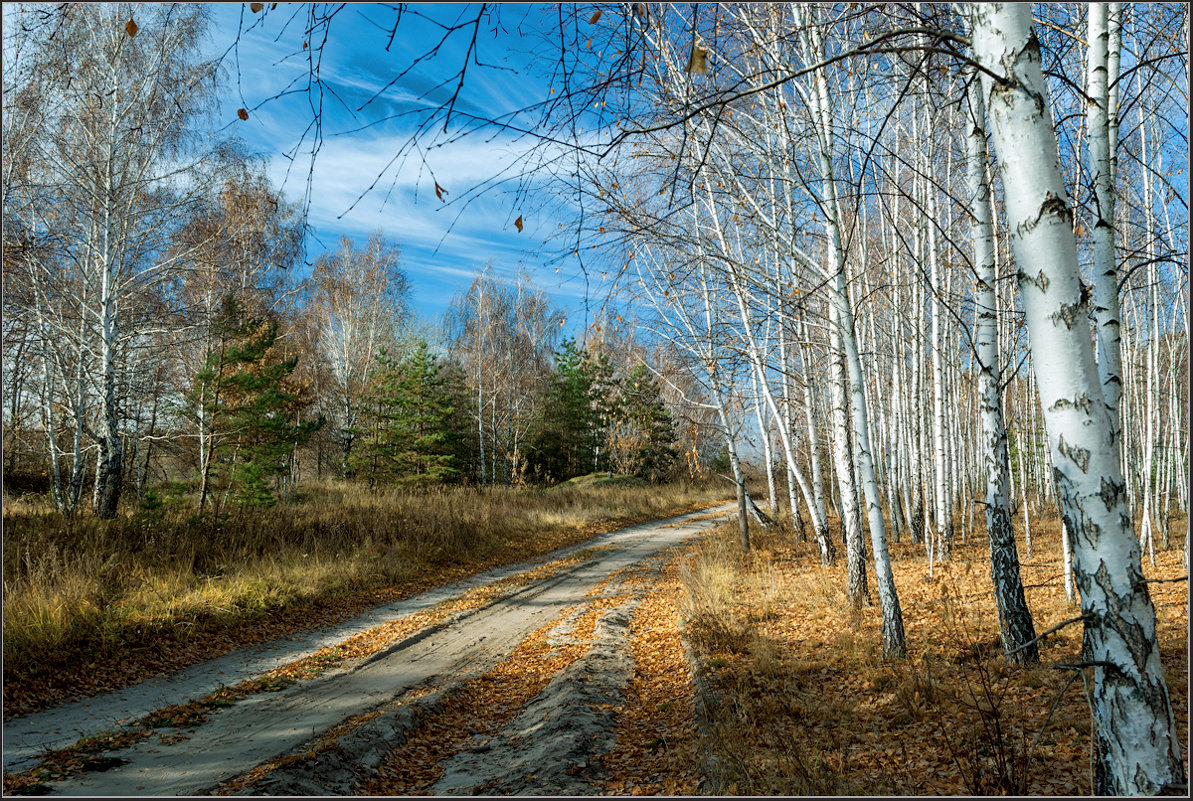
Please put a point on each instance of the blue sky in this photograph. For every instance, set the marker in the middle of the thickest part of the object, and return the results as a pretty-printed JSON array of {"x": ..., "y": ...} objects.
[{"x": 359, "y": 146}]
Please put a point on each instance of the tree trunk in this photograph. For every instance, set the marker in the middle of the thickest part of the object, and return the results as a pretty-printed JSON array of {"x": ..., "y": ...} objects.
[
  {"x": 1098, "y": 122},
  {"x": 1014, "y": 618},
  {"x": 1138, "y": 751},
  {"x": 893, "y": 642}
]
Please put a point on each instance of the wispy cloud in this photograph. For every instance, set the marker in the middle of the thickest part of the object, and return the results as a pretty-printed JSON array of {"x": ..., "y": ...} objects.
[{"x": 443, "y": 243}]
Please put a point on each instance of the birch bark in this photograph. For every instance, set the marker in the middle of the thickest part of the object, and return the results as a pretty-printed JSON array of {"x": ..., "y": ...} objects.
[
  {"x": 1098, "y": 123},
  {"x": 893, "y": 642},
  {"x": 1014, "y": 618},
  {"x": 1138, "y": 751}
]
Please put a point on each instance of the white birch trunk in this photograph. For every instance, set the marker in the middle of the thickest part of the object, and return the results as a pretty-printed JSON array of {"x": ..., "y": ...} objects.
[
  {"x": 1138, "y": 749},
  {"x": 1014, "y": 618},
  {"x": 1106, "y": 305},
  {"x": 893, "y": 642}
]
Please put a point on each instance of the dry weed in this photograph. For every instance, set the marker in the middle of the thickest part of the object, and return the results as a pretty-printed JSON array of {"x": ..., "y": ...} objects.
[{"x": 92, "y": 604}]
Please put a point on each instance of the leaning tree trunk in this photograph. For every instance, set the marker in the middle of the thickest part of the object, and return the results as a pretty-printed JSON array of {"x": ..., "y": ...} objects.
[
  {"x": 1138, "y": 751},
  {"x": 1098, "y": 122},
  {"x": 855, "y": 558},
  {"x": 1014, "y": 618},
  {"x": 842, "y": 323}
]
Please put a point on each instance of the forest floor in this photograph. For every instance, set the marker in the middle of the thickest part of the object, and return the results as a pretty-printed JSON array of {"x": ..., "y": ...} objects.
[
  {"x": 802, "y": 704},
  {"x": 652, "y": 662}
]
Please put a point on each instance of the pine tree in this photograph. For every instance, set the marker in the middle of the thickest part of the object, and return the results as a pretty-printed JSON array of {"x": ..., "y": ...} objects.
[
  {"x": 249, "y": 407},
  {"x": 567, "y": 438},
  {"x": 408, "y": 437},
  {"x": 641, "y": 435}
]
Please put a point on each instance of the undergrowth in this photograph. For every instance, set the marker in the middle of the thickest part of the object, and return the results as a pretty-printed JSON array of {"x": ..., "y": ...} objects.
[{"x": 800, "y": 702}]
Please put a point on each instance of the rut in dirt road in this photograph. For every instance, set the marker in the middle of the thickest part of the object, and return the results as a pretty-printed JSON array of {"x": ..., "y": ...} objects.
[{"x": 263, "y": 727}]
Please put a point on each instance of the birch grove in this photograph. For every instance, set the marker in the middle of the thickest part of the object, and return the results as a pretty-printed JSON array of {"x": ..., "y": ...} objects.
[
  {"x": 828, "y": 168},
  {"x": 920, "y": 270}
]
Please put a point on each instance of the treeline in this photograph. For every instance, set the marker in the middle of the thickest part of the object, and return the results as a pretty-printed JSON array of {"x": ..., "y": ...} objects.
[
  {"x": 333, "y": 376},
  {"x": 159, "y": 329}
]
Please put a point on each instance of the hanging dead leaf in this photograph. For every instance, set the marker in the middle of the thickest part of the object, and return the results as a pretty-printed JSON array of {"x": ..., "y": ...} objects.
[
  {"x": 256, "y": 7},
  {"x": 588, "y": 44},
  {"x": 518, "y": 223},
  {"x": 596, "y": 15},
  {"x": 242, "y": 113},
  {"x": 439, "y": 191},
  {"x": 698, "y": 63},
  {"x": 131, "y": 28},
  {"x": 601, "y": 229}
]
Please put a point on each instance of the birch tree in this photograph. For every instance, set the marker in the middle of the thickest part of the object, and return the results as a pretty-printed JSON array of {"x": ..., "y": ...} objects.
[
  {"x": 358, "y": 299},
  {"x": 112, "y": 168},
  {"x": 1015, "y": 623},
  {"x": 1138, "y": 752}
]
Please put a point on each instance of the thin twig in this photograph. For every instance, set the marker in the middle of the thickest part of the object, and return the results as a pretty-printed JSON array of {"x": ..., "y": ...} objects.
[
  {"x": 1055, "y": 703},
  {"x": 1045, "y": 634},
  {"x": 1093, "y": 732}
]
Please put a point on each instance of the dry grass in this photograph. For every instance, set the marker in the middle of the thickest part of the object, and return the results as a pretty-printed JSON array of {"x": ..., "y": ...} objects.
[
  {"x": 93, "y": 604},
  {"x": 806, "y": 706}
]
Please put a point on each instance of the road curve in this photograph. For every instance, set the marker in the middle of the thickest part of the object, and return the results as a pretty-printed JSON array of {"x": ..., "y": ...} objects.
[{"x": 266, "y": 725}]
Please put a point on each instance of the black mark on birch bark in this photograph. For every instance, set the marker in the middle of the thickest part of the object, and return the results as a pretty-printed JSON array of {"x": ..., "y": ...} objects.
[{"x": 1077, "y": 455}]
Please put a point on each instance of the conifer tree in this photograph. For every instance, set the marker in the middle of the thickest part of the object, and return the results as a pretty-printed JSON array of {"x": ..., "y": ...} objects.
[
  {"x": 249, "y": 405},
  {"x": 408, "y": 437},
  {"x": 567, "y": 439},
  {"x": 641, "y": 435}
]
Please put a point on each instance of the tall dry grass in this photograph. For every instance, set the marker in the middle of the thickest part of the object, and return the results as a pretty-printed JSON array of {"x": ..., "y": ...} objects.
[{"x": 91, "y": 590}]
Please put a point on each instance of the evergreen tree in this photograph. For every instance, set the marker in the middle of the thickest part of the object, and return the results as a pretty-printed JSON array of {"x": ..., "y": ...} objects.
[
  {"x": 249, "y": 407},
  {"x": 410, "y": 427},
  {"x": 640, "y": 437},
  {"x": 459, "y": 426},
  {"x": 566, "y": 439}
]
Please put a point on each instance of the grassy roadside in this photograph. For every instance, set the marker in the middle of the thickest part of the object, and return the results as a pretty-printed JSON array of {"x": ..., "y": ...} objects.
[
  {"x": 91, "y": 605},
  {"x": 88, "y": 753},
  {"x": 802, "y": 703}
]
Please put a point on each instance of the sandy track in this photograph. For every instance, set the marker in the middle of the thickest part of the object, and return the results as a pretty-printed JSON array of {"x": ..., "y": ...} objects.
[{"x": 267, "y": 725}]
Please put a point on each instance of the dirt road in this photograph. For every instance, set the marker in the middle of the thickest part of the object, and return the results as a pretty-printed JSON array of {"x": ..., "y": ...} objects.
[{"x": 329, "y": 734}]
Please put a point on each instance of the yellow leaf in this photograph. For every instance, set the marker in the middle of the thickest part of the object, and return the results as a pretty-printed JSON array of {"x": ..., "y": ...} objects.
[
  {"x": 131, "y": 28},
  {"x": 698, "y": 62}
]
